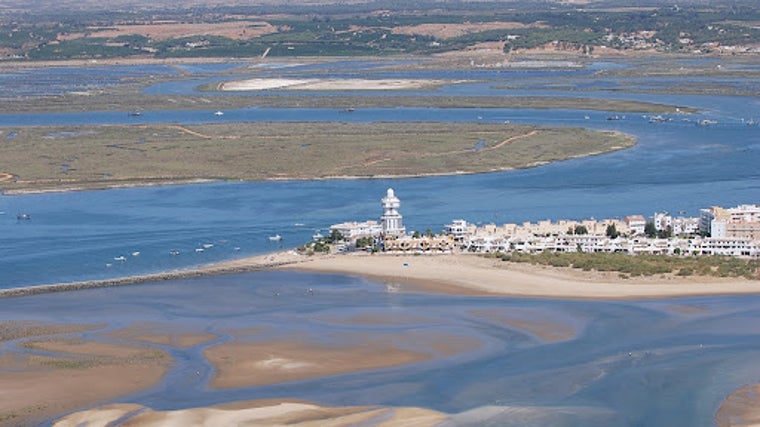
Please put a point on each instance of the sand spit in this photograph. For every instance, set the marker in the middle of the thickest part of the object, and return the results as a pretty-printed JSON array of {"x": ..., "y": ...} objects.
[
  {"x": 470, "y": 274},
  {"x": 329, "y": 84}
]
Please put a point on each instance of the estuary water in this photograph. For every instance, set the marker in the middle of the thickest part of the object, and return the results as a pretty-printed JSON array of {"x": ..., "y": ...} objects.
[
  {"x": 677, "y": 166},
  {"x": 654, "y": 363},
  {"x": 628, "y": 363}
]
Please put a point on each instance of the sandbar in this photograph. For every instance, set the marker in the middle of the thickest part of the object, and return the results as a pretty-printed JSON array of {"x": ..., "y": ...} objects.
[
  {"x": 245, "y": 364},
  {"x": 328, "y": 84},
  {"x": 256, "y": 413},
  {"x": 741, "y": 408}
]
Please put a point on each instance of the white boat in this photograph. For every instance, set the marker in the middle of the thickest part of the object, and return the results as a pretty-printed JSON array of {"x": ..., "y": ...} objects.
[
  {"x": 136, "y": 253},
  {"x": 275, "y": 238},
  {"x": 121, "y": 258},
  {"x": 219, "y": 113},
  {"x": 174, "y": 252},
  {"x": 199, "y": 250},
  {"x": 207, "y": 246}
]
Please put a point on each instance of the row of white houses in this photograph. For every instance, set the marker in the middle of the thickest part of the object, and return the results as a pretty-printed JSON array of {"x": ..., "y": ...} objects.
[{"x": 594, "y": 243}]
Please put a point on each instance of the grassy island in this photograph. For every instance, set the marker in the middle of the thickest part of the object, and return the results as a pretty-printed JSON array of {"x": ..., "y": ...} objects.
[{"x": 67, "y": 158}]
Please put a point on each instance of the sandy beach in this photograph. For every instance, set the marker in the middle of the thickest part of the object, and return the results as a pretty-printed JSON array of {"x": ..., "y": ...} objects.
[{"x": 468, "y": 274}]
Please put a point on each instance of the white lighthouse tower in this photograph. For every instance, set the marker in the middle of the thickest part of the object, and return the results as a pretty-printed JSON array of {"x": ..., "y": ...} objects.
[{"x": 391, "y": 219}]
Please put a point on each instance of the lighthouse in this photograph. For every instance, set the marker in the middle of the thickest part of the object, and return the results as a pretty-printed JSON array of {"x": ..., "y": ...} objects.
[{"x": 391, "y": 220}]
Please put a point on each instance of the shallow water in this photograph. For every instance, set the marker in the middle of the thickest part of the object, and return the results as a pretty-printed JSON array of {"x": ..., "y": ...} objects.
[{"x": 655, "y": 363}]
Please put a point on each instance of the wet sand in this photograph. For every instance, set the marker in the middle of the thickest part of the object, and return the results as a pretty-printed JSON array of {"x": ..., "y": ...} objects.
[
  {"x": 244, "y": 364},
  {"x": 55, "y": 372},
  {"x": 741, "y": 408}
]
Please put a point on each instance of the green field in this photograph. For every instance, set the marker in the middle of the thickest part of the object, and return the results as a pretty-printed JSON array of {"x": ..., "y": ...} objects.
[
  {"x": 644, "y": 265},
  {"x": 60, "y": 158},
  {"x": 122, "y": 99}
]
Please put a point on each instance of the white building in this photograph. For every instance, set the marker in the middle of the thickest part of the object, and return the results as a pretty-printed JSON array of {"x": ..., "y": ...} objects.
[
  {"x": 459, "y": 229},
  {"x": 353, "y": 230},
  {"x": 679, "y": 225},
  {"x": 636, "y": 224},
  {"x": 391, "y": 220}
]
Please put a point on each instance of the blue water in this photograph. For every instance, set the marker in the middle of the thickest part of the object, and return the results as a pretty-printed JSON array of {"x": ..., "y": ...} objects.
[
  {"x": 631, "y": 363},
  {"x": 676, "y": 166},
  {"x": 653, "y": 363}
]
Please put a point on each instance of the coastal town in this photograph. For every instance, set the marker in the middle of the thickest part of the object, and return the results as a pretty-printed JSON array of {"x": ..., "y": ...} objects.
[{"x": 722, "y": 231}]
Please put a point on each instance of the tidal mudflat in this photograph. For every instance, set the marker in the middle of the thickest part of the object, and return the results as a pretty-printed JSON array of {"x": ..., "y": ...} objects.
[{"x": 337, "y": 341}]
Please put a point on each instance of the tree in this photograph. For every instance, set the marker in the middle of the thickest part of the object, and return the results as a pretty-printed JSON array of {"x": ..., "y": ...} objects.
[
  {"x": 416, "y": 235},
  {"x": 580, "y": 229},
  {"x": 612, "y": 232},
  {"x": 666, "y": 233},
  {"x": 335, "y": 236},
  {"x": 429, "y": 233},
  {"x": 650, "y": 230}
]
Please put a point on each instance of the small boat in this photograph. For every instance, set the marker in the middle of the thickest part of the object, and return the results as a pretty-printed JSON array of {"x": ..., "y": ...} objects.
[
  {"x": 23, "y": 217},
  {"x": 120, "y": 258},
  {"x": 134, "y": 114},
  {"x": 199, "y": 250},
  {"x": 219, "y": 113},
  {"x": 136, "y": 253},
  {"x": 615, "y": 117},
  {"x": 208, "y": 245},
  {"x": 275, "y": 238},
  {"x": 707, "y": 122},
  {"x": 174, "y": 252}
]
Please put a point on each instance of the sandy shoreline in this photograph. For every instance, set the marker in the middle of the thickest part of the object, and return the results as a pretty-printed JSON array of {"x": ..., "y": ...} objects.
[
  {"x": 459, "y": 274},
  {"x": 470, "y": 274}
]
